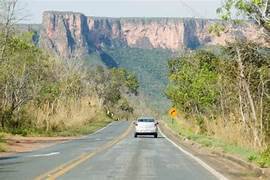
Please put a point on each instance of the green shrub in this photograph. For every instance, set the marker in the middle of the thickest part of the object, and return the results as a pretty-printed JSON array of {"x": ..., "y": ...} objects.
[
  {"x": 264, "y": 158},
  {"x": 252, "y": 158}
]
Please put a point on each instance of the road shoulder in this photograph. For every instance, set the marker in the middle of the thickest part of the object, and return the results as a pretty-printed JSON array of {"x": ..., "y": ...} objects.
[
  {"x": 229, "y": 167},
  {"x": 19, "y": 144}
]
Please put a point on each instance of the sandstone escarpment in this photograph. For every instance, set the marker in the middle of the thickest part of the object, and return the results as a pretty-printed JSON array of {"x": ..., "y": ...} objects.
[
  {"x": 65, "y": 33},
  {"x": 73, "y": 34}
]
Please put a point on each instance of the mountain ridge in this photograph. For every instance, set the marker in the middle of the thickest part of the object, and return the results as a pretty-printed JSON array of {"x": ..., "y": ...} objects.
[{"x": 71, "y": 34}]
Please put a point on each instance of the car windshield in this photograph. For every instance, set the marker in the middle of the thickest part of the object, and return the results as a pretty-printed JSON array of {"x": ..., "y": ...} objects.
[{"x": 146, "y": 120}]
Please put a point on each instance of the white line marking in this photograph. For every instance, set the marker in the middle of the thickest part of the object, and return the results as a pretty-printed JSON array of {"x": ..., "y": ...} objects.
[
  {"x": 86, "y": 136},
  {"x": 202, "y": 163},
  {"x": 102, "y": 128},
  {"x": 45, "y": 155}
]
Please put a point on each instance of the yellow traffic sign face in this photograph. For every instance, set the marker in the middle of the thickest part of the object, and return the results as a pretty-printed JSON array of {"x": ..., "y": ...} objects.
[{"x": 173, "y": 112}]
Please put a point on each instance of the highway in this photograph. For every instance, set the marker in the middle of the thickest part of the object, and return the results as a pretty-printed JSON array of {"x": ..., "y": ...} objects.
[{"x": 111, "y": 153}]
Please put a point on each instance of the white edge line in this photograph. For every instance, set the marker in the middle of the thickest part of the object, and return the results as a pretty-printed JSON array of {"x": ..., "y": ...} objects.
[
  {"x": 83, "y": 137},
  {"x": 202, "y": 163},
  {"x": 45, "y": 155},
  {"x": 55, "y": 153},
  {"x": 102, "y": 128}
]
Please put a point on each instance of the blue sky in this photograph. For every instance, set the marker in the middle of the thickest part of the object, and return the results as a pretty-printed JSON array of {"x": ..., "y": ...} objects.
[{"x": 123, "y": 8}]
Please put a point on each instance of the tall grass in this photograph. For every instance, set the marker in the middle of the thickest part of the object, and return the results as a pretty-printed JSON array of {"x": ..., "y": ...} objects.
[
  {"x": 67, "y": 114},
  {"x": 231, "y": 132},
  {"x": 3, "y": 147},
  {"x": 230, "y": 138}
]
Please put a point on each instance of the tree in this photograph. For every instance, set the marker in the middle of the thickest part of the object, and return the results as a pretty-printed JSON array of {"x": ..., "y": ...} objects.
[
  {"x": 124, "y": 78},
  {"x": 256, "y": 10},
  {"x": 192, "y": 88},
  {"x": 20, "y": 73},
  {"x": 252, "y": 64},
  {"x": 8, "y": 19}
]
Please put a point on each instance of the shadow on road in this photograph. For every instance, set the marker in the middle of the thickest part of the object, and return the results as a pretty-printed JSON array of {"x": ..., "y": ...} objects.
[
  {"x": 8, "y": 157},
  {"x": 7, "y": 167},
  {"x": 149, "y": 137}
]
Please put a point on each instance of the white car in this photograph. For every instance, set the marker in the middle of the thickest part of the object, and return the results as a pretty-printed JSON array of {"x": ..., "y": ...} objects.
[{"x": 146, "y": 126}]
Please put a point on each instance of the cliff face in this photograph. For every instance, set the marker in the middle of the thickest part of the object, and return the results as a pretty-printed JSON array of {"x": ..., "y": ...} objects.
[
  {"x": 73, "y": 34},
  {"x": 64, "y": 33}
]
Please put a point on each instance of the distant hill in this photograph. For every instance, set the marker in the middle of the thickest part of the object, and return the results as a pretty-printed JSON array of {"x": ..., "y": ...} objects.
[
  {"x": 142, "y": 45},
  {"x": 152, "y": 75}
]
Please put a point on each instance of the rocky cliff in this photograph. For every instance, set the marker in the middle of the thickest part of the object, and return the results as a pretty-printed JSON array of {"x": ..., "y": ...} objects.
[{"x": 73, "y": 34}]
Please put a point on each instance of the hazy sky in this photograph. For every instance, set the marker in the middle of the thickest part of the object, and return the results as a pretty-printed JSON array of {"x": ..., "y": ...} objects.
[{"x": 123, "y": 8}]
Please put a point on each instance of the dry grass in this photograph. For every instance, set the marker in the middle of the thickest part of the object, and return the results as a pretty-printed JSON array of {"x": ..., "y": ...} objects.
[
  {"x": 231, "y": 132},
  {"x": 65, "y": 115},
  {"x": 3, "y": 147},
  {"x": 219, "y": 141}
]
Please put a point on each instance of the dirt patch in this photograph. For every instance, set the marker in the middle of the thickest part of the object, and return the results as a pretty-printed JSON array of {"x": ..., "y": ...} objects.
[
  {"x": 16, "y": 144},
  {"x": 228, "y": 165}
]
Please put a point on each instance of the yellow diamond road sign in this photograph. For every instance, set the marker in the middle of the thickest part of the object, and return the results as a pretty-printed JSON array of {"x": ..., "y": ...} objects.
[{"x": 173, "y": 112}]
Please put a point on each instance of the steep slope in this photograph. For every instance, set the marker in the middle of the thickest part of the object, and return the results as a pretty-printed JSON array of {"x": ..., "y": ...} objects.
[
  {"x": 66, "y": 34},
  {"x": 73, "y": 34}
]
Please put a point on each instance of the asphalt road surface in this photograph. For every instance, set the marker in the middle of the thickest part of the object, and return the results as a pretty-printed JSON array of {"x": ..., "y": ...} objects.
[{"x": 112, "y": 153}]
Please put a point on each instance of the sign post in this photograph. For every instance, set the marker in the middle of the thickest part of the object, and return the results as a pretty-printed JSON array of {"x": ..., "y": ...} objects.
[{"x": 173, "y": 113}]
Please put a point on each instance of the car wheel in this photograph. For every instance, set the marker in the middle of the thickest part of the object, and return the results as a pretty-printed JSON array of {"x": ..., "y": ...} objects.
[{"x": 135, "y": 135}]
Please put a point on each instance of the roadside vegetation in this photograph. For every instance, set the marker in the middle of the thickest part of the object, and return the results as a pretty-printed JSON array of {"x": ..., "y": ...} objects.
[
  {"x": 46, "y": 95},
  {"x": 150, "y": 66},
  {"x": 2, "y": 143},
  {"x": 224, "y": 94},
  {"x": 186, "y": 130}
]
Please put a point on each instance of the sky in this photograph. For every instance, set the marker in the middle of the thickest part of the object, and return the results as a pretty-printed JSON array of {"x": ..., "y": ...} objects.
[{"x": 123, "y": 8}]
